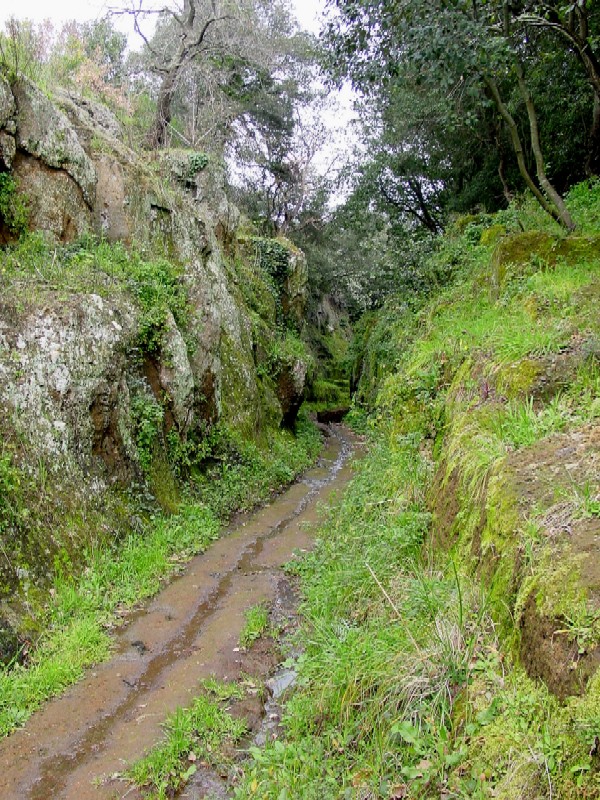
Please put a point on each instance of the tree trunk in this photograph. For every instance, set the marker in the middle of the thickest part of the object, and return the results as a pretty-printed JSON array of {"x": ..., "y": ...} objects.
[
  {"x": 158, "y": 134},
  {"x": 592, "y": 163},
  {"x": 505, "y": 187},
  {"x": 577, "y": 39},
  {"x": 192, "y": 38},
  {"x": 564, "y": 217},
  {"x": 548, "y": 207}
]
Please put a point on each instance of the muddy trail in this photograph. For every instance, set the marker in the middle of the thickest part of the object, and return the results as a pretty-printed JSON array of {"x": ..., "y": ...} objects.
[{"x": 76, "y": 745}]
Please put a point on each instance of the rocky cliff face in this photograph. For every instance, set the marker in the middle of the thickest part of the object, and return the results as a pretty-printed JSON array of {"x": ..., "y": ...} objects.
[{"x": 86, "y": 364}]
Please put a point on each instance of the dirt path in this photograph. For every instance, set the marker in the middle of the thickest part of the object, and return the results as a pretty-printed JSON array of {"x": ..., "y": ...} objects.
[{"x": 190, "y": 631}]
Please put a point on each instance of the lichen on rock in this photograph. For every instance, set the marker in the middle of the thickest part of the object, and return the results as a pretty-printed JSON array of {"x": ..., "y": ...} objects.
[
  {"x": 7, "y": 103},
  {"x": 45, "y": 132},
  {"x": 158, "y": 336}
]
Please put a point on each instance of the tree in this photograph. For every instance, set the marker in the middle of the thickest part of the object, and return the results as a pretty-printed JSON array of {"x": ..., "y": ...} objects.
[
  {"x": 282, "y": 177},
  {"x": 106, "y": 46},
  {"x": 454, "y": 48},
  {"x": 190, "y": 27},
  {"x": 577, "y": 26},
  {"x": 203, "y": 52},
  {"x": 418, "y": 168},
  {"x": 576, "y": 23}
]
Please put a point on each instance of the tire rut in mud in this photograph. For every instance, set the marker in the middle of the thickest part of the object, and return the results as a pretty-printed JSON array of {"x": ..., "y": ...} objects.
[{"x": 75, "y": 746}]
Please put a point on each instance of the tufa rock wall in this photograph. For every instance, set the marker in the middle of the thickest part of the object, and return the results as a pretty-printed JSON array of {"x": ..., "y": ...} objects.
[{"x": 75, "y": 363}]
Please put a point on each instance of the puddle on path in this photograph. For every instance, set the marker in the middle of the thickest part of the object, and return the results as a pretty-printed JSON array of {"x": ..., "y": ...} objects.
[{"x": 188, "y": 632}]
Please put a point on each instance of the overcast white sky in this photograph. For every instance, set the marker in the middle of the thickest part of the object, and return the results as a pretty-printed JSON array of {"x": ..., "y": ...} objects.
[{"x": 307, "y": 11}]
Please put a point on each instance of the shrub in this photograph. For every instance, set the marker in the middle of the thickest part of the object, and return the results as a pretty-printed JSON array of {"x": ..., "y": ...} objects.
[{"x": 13, "y": 207}]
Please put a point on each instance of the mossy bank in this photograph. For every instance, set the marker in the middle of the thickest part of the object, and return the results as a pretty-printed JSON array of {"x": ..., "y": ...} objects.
[{"x": 451, "y": 635}]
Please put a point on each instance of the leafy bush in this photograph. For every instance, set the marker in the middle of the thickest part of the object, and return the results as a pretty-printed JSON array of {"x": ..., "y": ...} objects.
[
  {"x": 583, "y": 201},
  {"x": 13, "y": 207},
  {"x": 10, "y": 483},
  {"x": 147, "y": 425},
  {"x": 273, "y": 257},
  {"x": 196, "y": 163}
]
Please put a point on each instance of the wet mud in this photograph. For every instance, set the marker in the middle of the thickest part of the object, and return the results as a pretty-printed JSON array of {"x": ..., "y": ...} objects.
[{"x": 77, "y": 746}]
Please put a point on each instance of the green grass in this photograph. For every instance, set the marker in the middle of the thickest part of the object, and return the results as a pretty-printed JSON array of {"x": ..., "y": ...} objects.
[
  {"x": 76, "y": 621},
  {"x": 404, "y": 688},
  {"x": 194, "y": 734},
  {"x": 409, "y": 681},
  {"x": 255, "y": 625},
  {"x": 324, "y": 394},
  {"x": 243, "y": 474},
  {"x": 35, "y": 266},
  {"x": 59, "y": 661},
  {"x": 383, "y": 641}
]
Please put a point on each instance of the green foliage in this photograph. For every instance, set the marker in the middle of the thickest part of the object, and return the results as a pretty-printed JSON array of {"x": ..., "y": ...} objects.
[
  {"x": 59, "y": 661},
  {"x": 156, "y": 285},
  {"x": 74, "y": 629},
  {"x": 583, "y": 200},
  {"x": 238, "y": 473},
  {"x": 323, "y": 393},
  {"x": 137, "y": 120},
  {"x": 121, "y": 573},
  {"x": 108, "y": 269},
  {"x": 369, "y": 703},
  {"x": 286, "y": 347},
  {"x": 463, "y": 76},
  {"x": 147, "y": 419},
  {"x": 408, "y": 683},
  {"x": 21, "y": 49},
  {"x": 196, "y": 163},
  {"x": 273, "y": 258},
  {"x": 135, "y": 568},
  {"x": 14, "y": 213},
  {"x": 107, "y": 46},
  {"x": 10, "y": 491}
]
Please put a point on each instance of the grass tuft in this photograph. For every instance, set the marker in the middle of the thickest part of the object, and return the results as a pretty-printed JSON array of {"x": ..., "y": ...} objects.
[
  {"x": 198, "y": 733},
  {"x": 255, "y": 626}
]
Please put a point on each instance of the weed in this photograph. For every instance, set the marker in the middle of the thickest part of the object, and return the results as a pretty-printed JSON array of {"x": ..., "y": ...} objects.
[
  {"x": 198, "y": 732},
  {"x": 257, "y": 621},
  {"x": 241, "y": 474},
  {"x": 584, "y": 202},
  {"x": 222, "y": 690},
  {"x": 10, "y": 490},
  {"x": 59, "y": 661},
  {"x": 13, "y": 206},
  {"x": 587, "y": 500},
  {"x": 273, "y": 257},
  {"x": 147, "y": 418}
]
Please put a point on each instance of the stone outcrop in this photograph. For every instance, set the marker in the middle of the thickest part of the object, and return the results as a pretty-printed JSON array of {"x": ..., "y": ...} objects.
[
  {"x": 73, "y": 364},
  {"x": 78, "y": 175},
  {"x": 45, "y": 133}
]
